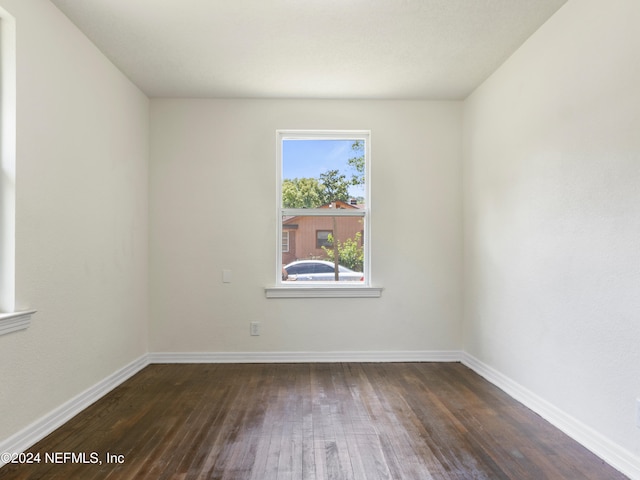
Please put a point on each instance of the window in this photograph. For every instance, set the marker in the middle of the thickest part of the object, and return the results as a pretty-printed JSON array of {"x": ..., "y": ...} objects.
[
  {"x": 323, "y": 238},
  {"x": 324, "y": 194},
  {"x": 7, "y": 157},
  {"x": 10, "y": 319}
]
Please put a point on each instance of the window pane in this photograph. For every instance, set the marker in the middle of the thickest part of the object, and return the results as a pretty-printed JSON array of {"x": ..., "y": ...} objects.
[
  {"x": 307, "y": 261},
  {"x": 318, "y": 172},
  {"x": 323, "y": 238}
]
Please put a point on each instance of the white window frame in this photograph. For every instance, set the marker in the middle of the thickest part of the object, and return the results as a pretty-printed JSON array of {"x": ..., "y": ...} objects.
[
  {"x": 285, "y": 240},
  {"x": 10, "y": 319},
  {"x": 317, "y": 289}
]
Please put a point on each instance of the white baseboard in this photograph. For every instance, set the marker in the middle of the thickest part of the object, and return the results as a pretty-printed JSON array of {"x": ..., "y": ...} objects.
[
  {"x": 616, "y": 456},
  {"x": 298, "y": 357},
  {"x": 39, "y": 429}
]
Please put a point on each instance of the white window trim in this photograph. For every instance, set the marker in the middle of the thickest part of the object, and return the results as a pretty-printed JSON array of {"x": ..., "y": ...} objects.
[
  {"x": 318, "y": 289},
  {"x": 10, "y": 320},
  {"x": 7, "y": 161}
]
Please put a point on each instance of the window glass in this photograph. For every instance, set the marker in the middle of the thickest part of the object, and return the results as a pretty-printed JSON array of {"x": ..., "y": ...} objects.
[
  {"x": 324, "y": 238},
  {"x": 316, "y": 172},
  {"x": 323, "y": 206}
]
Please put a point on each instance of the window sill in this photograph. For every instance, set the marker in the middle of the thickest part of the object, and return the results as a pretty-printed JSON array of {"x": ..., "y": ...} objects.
[
  {"x": 13, "y": 322},
  {"x": 315, "y": 291}
]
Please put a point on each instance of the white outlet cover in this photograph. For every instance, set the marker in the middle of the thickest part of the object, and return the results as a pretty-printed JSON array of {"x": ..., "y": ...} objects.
[{"x": 254, "y": 328}]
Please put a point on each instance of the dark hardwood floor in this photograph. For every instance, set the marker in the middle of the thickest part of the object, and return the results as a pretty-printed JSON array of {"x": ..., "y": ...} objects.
[{"x": 309, "y": 421}]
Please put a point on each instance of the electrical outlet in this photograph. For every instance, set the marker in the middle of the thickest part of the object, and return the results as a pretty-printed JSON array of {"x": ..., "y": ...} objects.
[
  {"x": 638, "y": 412},
  {"x": 255, "y": 328}
]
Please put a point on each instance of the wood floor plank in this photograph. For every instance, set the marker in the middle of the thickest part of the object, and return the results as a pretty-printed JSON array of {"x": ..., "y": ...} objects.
[{"x": 313, "y": 422}]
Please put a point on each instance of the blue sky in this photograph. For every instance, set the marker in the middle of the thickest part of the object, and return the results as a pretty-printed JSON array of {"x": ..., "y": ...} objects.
[{"x": 310, "y": 158}]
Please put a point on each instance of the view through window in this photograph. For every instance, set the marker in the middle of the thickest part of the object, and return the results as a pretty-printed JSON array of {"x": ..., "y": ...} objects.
[{"x": 323, "y": 207}]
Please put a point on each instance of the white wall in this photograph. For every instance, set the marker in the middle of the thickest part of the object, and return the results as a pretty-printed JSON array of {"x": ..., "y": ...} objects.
[
  {"x": 212, "y": 200},
  {"x": 81, "y": 219},
  {"x": 551, "y": 206},
  {"x": 552, "y": 217}
]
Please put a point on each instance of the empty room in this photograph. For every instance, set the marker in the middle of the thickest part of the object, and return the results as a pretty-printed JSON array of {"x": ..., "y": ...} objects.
[{"x": 320, "y": 239}]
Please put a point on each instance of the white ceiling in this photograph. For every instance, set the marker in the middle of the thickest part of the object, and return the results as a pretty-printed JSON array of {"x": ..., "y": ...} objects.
[{"x": 390, "y": 49}]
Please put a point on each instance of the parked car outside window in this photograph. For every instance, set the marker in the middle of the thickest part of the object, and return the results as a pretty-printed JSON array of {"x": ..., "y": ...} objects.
[{"x": 319, "y": 271}]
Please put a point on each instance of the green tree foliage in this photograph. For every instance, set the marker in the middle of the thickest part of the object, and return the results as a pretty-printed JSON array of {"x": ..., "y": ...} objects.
[
  {"x": 334, "y": 187},
  {"x": 357, "y": 163},
  {"x": 301, "y": 193},
  {"x": 350, "y": 252}
]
